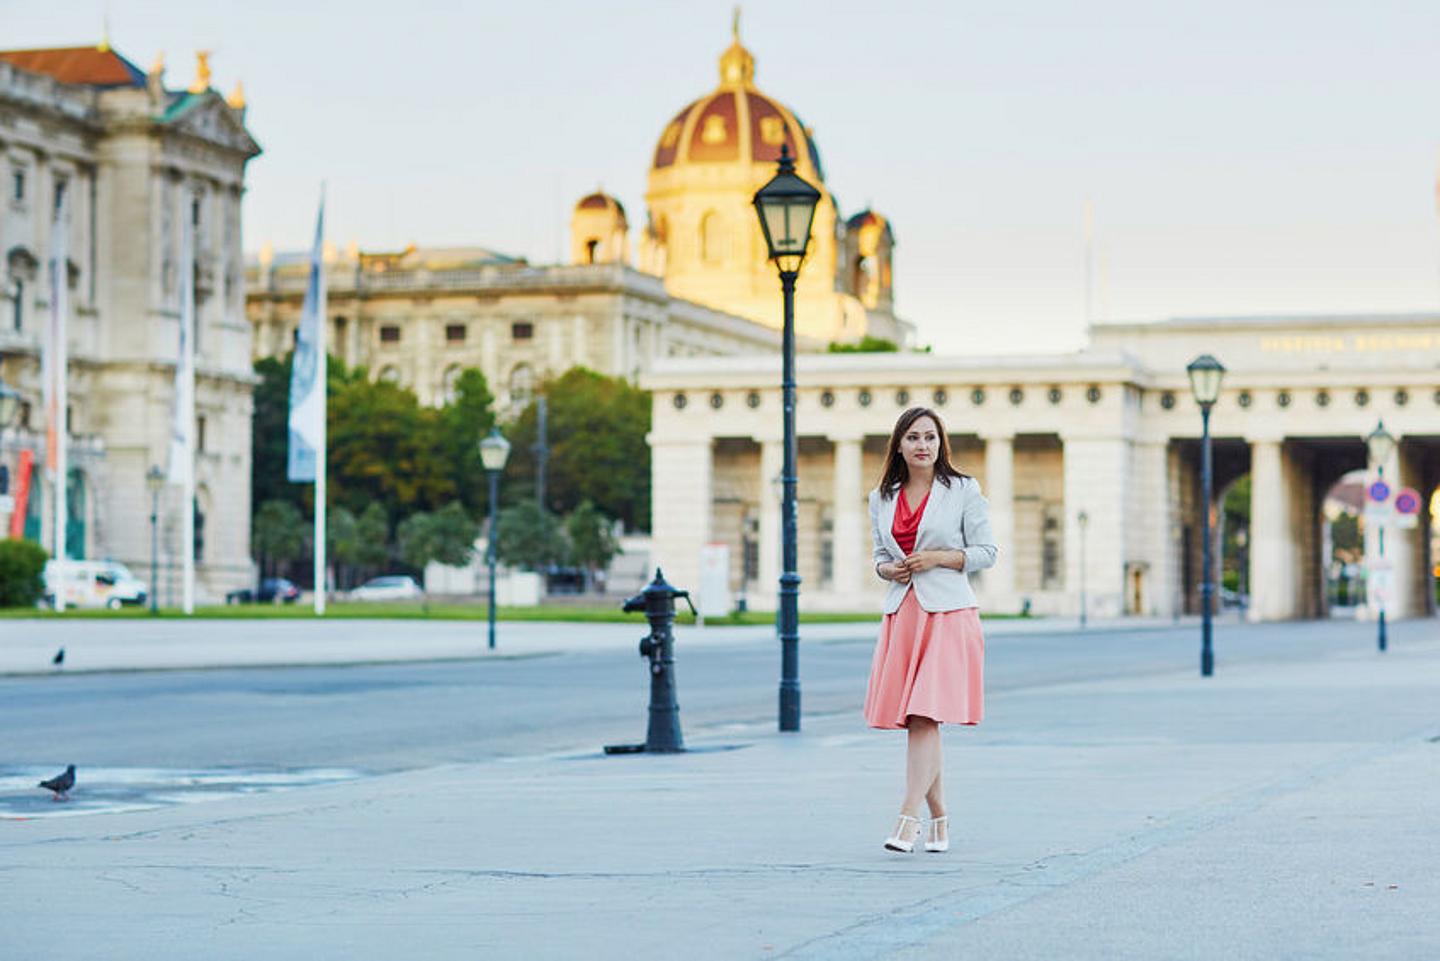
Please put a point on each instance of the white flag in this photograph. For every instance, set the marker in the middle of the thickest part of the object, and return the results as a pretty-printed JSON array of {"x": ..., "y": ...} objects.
[
  {"x": 307, "y": 373},
  {"x": 182, "y": 421},
  {"x": 56, "y": 366}
]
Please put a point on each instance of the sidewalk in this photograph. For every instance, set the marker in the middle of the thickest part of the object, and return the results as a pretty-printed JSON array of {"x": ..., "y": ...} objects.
[
  {"x": 1282, "y": 811},
  {"x": 135, "y": 644}
]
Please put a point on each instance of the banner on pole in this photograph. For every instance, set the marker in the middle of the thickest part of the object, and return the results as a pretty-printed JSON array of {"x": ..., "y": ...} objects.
[{"x": 307, "y": 387}]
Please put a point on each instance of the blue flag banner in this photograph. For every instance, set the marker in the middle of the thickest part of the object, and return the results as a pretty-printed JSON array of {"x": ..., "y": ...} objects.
[{"x": 307, "y": 376}]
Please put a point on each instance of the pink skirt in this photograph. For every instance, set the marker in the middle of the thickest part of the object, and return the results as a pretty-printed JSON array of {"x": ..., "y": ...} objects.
[{"x": 930, "y": 664}]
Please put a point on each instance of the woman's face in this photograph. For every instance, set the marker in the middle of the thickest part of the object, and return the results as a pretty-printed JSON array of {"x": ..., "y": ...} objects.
[{"x": 920, "y": 444}]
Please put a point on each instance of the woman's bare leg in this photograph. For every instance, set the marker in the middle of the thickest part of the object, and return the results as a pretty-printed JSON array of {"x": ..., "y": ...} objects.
[{"x": 922, "y": 763}]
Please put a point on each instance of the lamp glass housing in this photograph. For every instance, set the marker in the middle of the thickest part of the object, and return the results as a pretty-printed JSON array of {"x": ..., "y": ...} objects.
[
  {"x": 786, "y": 208},
  {"x": 1206, "y": 373},
  {"x": 154, "y": 479},
  {"x": 494, "y": 450},
  {"x": 1381, "y": 444},
  {"x": 9, "y": 404}
]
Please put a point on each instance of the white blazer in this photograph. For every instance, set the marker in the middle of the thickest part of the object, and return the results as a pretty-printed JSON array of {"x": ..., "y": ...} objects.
[{"x": 956, "y": 517}]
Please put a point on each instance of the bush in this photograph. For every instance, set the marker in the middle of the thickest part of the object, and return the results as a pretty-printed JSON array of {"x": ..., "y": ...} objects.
[{"x": 22, "y": 573}]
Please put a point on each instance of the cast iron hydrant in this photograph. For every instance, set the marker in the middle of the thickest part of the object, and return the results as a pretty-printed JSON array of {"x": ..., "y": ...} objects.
[{"x": 657, "y": 600}]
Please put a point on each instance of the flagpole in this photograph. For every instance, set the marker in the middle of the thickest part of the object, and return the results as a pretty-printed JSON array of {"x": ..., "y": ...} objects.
[
  {"x": 321, "y": 374},
  {"x": 55, "y": 422},
  {"x": 187, "y": 416}
]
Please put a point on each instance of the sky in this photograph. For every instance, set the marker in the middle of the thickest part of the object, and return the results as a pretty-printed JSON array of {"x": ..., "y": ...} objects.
[{"x": 1240, "y": 157}]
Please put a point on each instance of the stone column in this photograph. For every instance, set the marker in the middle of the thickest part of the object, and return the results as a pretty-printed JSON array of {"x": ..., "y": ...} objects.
[
  {"x": 1272, "y": 560},
  {"x": 772, "y": 458},
  {"x": 682, "y": 473},
  {"x": 998, "y": 583},
  {"x": 1097, "y": 483},
  {"x": 851, "y": 559}
]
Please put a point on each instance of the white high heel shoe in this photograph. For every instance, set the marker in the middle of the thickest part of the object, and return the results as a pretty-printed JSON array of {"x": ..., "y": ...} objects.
[
  {"x": 903, "y": 839},
  {"x": 935, "y": 842}
]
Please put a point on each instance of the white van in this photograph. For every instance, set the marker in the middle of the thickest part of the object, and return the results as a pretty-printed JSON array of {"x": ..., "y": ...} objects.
[{"x": 93, "y": 584}]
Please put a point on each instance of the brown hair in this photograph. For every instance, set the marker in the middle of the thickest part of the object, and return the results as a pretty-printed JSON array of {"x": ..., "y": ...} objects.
[{"x": 896, "y": 472}]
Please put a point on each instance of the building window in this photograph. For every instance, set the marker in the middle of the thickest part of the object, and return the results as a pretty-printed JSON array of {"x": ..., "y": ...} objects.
[
  {"x": 200, "y": 433},
  {"x": 17, "y": 186},
  {"x": 454, "y": 333},
  {"x": 195, "y": 213},
  {"x": 450, "y": 383},
  {"x": 522, "y": 384},
  {"x": 522, "y": 331},
  {"x": 18, "y": 305},
  {"x": 712, "y": 238},
  {"x": 590, "y": 247},
  {"x": 389, "y": 334},
  {"x": 199, "y": 532}
]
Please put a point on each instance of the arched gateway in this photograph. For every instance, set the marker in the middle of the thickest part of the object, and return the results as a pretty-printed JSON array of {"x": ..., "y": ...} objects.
[{"x": 1110, "y": 431}]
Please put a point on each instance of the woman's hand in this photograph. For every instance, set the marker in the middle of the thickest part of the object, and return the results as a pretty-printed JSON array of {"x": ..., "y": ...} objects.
[
  {"x": 895, "y": 571},
  {"x": 926, "y": 560}
]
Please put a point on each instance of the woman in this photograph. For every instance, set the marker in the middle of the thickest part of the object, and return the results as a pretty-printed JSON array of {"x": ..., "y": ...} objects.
[{"x": 931, "y": 528}]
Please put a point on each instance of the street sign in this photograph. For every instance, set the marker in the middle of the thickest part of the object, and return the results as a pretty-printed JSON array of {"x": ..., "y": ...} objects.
[
  {"x": 1378, "y": 492},
  {"x": 1407, "y": 507}
]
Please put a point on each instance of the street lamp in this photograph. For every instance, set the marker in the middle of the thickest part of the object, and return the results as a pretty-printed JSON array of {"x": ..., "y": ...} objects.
[
  {"x": 494, "y": 451},
  {"x": 155, "y": 483},
  {"x": 1381, "y": 444},
  {"x": 1084, "y": 520},
  {"x": 9, "y": 404},
  {"x": 1206, "y": 373},
  {"x": 786, "y": 208}
]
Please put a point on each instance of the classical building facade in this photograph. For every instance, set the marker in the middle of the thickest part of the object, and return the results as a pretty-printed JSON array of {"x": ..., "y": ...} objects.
[
  {"x": 1111, "y": 432},
  {"x": 696, "y": 282},
  {"x": 419, "y": 317},
  {"x": 134, "y": 160}
]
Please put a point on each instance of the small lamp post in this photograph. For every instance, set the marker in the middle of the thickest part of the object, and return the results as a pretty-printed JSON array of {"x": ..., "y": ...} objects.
[
  {"x": 1084, "y": 521},
  {"x": 786, "y": 208},
  {"x": 9, "y": 404},
  {"x": 1381, "y": 444},
  {"x": 155, "y": 483},
  {"x": 494, "y": 451},
  {"x": 1206, "y": 373}
]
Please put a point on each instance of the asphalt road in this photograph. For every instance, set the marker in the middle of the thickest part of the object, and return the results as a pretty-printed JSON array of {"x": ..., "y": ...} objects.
[{"x": 404, "y": 716}]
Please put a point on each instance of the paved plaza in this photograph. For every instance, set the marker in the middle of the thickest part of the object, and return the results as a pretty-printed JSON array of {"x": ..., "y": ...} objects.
[{"x": 1283, "y": 808}]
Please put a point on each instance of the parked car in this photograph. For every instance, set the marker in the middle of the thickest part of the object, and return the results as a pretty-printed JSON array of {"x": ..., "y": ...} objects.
[
  {"x": 273, "y": 590},
  {"x": 93, "y": 584},
  {"x": 391, "y": 587}
]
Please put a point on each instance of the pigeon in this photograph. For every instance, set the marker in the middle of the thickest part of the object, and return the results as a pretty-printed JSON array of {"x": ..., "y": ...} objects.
[
  {"x": 61, "y": 784},
  {"x": 59, "y": 659}
]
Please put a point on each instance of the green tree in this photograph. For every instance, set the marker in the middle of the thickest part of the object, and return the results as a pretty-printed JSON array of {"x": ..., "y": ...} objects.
[
  {"x": 529, "y": 536},
  {"x": 463, "y": 422},
  {"x": 278, "y": 534},
  {"x": 386, "y": 448},
  {"x": 592, "y": 543},
  {"x": 445, "y": 537},
  {"x": 596, "y": 427},
  {"x": 22, "y": 573},
  {"x": 372, "y": 538}
]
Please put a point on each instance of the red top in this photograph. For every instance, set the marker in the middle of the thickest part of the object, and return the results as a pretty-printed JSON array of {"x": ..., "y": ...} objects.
[{"x": 907, "y": 522}]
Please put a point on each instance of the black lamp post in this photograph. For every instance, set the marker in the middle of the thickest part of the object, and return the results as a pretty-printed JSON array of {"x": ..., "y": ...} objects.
[
  {"x": 1084, "y": 521},
  {"x": 155, "y": 483},
  {"x": 1206, "y": 373},
  {"x": 786, "y": 207},
  {"x": 494, "y": 451},
  {"x": 1381, "y": 444}
]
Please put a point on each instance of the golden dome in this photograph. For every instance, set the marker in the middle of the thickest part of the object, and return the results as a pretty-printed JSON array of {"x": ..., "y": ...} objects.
[
  {"x": 601, "y": 201},
  {"x": 736, "y": 123}
]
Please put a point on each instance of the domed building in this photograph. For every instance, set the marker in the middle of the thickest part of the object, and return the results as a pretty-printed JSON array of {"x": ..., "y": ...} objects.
[
  {"x": 703, "y": 238},
  {"x": 598, "y": 231}
]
